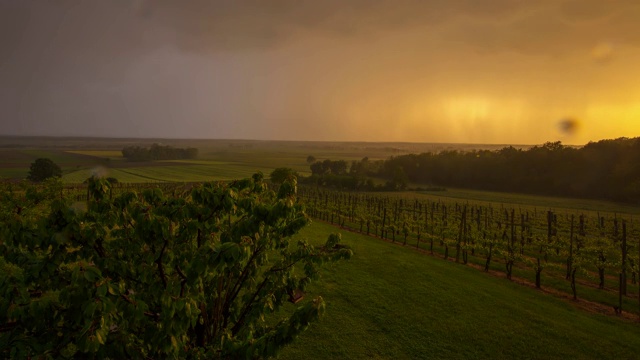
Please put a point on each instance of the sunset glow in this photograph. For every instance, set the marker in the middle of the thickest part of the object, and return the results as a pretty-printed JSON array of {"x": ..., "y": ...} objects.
[{"x": 503, "y": 72}]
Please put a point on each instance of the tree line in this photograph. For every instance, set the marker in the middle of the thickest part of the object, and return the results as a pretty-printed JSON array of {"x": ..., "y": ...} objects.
[
  {"x": 158, "y": 152},
  {"x": 606, "y": 169}
]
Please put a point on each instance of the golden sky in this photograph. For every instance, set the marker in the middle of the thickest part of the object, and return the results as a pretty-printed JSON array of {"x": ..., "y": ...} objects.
[{"x": 500, "y": 71}]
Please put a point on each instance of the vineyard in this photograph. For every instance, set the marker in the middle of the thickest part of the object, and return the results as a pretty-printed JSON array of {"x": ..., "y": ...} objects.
[
  {"x": 590, "y": 255},
  {"x": 76, "y": 278}
]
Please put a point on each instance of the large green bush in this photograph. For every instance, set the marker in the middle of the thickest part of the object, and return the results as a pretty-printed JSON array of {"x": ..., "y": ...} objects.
[{"x": 146, "y": 275}]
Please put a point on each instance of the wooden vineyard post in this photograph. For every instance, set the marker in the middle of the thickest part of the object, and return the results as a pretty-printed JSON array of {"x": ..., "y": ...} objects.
[
  {"x": 511, "y": 244},
  {"x": 549, "y": 226},
  {"x": 570, "y": 258},
  {"x": 405, "y": 232},
  {"x": 623, "y": 284},
  {"x": 538, "y": 272},
  {"x": 444, "y": 226},
  {"x": 619, "y": 307},
  {"x": 465, "y": 236},
  {"x": 478, "y": 228},
  {"x": 485, "y": 237},
  {"x": 461, "y": 232},
  {"x": 433, "y": 209},
  {"x": 522, "y": 230},
  {"x": 384, "y": 219}
]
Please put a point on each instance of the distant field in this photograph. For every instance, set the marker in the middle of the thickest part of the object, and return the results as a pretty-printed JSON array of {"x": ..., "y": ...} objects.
[
  {"x": 177, "y": 173},
  {"x": 228, "y": 159},
  {"x": 15, "y": 163},
  {"x": 391, "y": 302},
  {"x": 193, "y": 172},
  {"x": 124, "y": 177},
  {"x": 77, "y": 156},
  {"x": 218, "y": 159},
  {"x": 111, "y": 154},
  {"x": 17, "y": 158}
]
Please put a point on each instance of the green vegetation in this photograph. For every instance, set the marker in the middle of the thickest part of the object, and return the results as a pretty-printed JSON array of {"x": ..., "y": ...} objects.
[
  {"x": 572, "y": 252},
  {"x": 280, "y": 175},
  {"x": 42, "y": 169},
  {"x": 245, "y": 156},
  {"x": 392, "y": 302},
  {"x": 158, "y": 152},
  {"x": 524, "y": 201},
  {"x": 606, "y": 169},
  {"x": 200, "y": 274},
  {"x": 169, "y": 172}
]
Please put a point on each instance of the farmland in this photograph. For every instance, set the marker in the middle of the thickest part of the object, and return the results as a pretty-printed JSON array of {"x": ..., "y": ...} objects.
[
  {"x": 539, "y": 245},
  {"x": 416, "y": 286},
  {"x": 217, "y": 160},
  {"x": 391, "y": 302}
]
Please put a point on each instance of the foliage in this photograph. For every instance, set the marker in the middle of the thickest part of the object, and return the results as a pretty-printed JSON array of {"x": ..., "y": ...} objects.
[
  {"x": 42, "y": 169},
  {"x": 337, "y": 167},
  {"x": 404, "y": 304},
  {"x": 311, "y": 159},
  {"x": 282, "y": 174},
  {"x": 158, "y": 152},
  {"x": 605, "y": 169},
  {"x": 146, "y": 275},
  {"x": 519, "y": 241}
]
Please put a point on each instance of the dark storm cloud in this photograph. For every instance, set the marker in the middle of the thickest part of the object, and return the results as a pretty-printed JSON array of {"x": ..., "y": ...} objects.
[
  {"x": 208, "y": 25},
  {"x": 121, "y": 26},
  {"x": 124, "y": 27}
]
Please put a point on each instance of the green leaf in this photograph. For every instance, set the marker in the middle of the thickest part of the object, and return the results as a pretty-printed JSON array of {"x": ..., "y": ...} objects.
[{"x": 102, "y": 290}]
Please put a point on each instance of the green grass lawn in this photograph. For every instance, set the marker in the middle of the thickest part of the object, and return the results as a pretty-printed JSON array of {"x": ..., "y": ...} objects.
[{"x": 391, "y": 302}]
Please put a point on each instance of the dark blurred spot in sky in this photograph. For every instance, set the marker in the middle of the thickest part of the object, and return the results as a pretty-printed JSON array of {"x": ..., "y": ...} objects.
[{"x": 568, "y": 126}]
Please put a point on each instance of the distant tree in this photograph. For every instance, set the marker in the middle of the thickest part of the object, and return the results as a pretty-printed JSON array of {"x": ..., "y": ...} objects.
[
  {"x": 158, "y": 152},
  {"x": 400, "y": 179},
  {"x": 318, "y": 168},
  {"x": 311, "y": 159},
  {"x": 338, "y": 167},
  {"x": 280, "y": 175},
  {"x": 42, "y": 169}
]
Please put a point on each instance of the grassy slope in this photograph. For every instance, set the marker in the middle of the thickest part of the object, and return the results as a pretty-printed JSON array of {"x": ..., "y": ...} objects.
[{"x": 392, "y": 302}]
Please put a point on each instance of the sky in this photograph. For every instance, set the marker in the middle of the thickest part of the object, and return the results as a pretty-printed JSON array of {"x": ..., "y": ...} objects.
[{"x": 464, "y": 71}]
